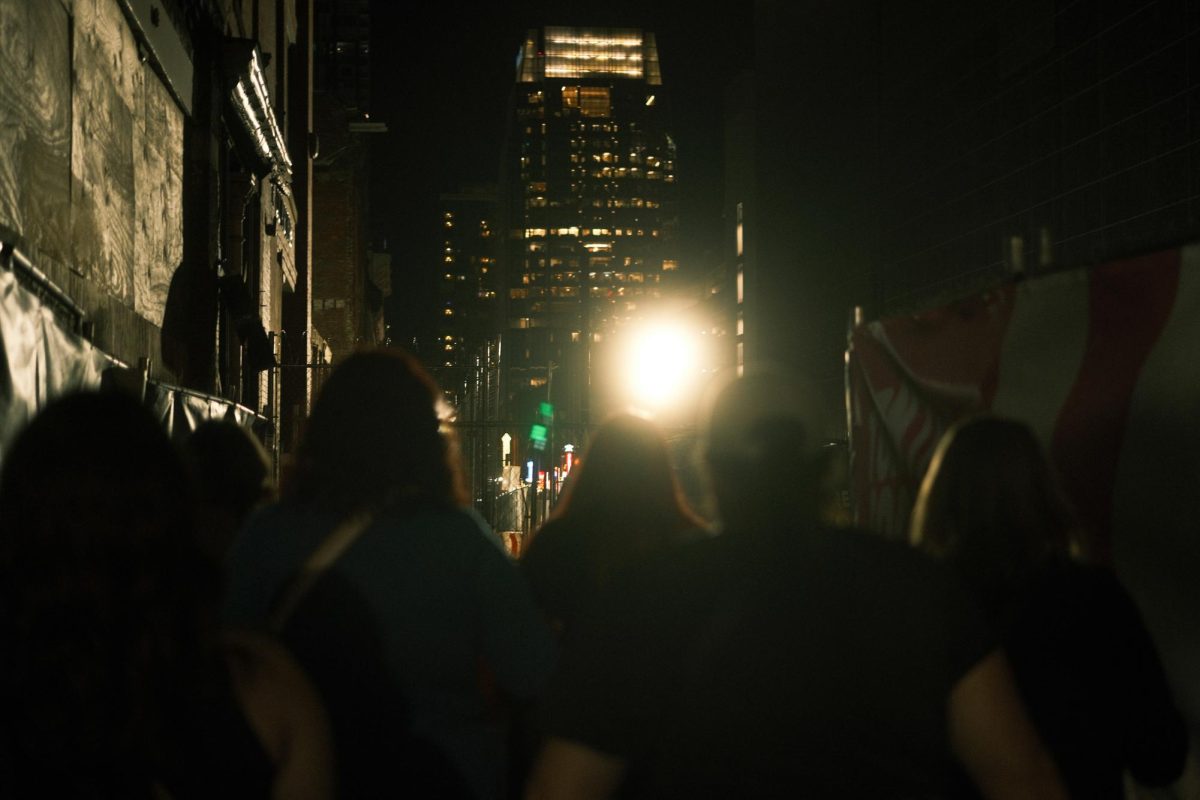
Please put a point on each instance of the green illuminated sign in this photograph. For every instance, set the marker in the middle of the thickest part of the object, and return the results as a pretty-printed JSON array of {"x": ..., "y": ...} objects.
[{"x": 537, "y": 435}]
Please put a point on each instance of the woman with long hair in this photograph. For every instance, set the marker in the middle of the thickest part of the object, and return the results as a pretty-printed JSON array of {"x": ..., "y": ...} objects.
[
  {"x": 417, "y": 626},
  {"x": 622, "y": 503},
  {"x": 990, "y": 506},
  {"x": 114, "y": 676}
]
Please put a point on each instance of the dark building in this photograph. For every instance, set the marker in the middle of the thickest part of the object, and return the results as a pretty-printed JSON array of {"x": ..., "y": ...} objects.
[
  {"x": 349, "y": 281},
  {"x": 913, "y": 157},
  {"x": 343, "y": 46},
  {"x": 468, "y": 286}
]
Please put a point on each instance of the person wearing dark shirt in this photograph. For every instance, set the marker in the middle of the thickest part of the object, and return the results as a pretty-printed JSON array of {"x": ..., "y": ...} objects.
[
  {"x": 1081, "y": 656},
  {"x": 622, "y": 504},
  {"x": 115, "y": 680},
  {"x": 781, "y": 658}
]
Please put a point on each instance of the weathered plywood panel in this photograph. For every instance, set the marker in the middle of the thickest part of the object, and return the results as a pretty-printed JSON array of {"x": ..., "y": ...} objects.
[
  {"x": 102, "y": 198},
  {"x": 158, "y": 191},
  {"x": 15, "y": 57},
  {"x": 35, "y": 120}
]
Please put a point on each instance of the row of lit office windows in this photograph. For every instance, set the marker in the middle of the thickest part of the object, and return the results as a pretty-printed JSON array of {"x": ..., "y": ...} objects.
[
  {"x": 523, "y": 293},
  {"x": 577, "y": 231},
  {"x": 534, "y": 278},
  {"x": 602, "y": 262},
  {"x": 628, "y": 262},
  {"x": 596, "y": 202},
  {"x": 584, "y": 127},
  {"x": 608, "y": 157},
  {"x": 622, "y": 172}
]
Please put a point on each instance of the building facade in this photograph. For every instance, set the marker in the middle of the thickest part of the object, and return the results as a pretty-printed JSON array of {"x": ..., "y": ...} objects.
[
  {"x": 925, "y": 156},
  {"x": 154, "y": 201},
  {"x": 589, "y": 213},
  {"x": 591, "y": 179}
]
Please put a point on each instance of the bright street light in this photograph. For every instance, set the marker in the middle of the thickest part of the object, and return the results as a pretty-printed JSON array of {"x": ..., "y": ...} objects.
[{"x": 663, "y": 363}]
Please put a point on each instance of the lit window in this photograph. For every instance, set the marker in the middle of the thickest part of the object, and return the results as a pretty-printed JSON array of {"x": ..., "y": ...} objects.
[
  {"x": 670, "y": 264},
  {"x": 595, "y": 101},
  {"x": 741, "y": 285},
  {"x": 739, "y": 229}
]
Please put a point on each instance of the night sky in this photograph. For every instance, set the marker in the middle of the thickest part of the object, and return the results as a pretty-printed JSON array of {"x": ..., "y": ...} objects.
[{"x": 442, "y": 82}]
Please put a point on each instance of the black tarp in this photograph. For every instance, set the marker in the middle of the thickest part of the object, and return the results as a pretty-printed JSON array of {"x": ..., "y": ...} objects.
[{"x": 42, "y": 358}]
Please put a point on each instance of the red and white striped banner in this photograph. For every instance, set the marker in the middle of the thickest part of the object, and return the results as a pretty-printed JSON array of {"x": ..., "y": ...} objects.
[{"x": 1104, "y": 364}]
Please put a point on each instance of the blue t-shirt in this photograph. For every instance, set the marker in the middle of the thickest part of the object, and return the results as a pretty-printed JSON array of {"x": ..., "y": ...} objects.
[{"x": 425, "y": 607}]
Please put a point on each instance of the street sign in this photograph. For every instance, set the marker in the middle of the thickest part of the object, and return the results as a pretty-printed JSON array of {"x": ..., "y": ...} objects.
[{"x": 538, "y": 435}]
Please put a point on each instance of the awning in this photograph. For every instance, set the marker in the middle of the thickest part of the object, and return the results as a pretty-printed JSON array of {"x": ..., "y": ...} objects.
[{"x": 258, "y": 135}]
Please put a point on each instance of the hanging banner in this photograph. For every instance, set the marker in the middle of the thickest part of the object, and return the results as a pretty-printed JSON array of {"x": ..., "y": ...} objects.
[{"x": 1101, "y": 363}]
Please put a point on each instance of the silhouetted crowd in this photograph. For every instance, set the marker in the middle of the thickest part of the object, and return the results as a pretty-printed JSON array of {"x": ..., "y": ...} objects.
[{"x": 173, "y": 627}]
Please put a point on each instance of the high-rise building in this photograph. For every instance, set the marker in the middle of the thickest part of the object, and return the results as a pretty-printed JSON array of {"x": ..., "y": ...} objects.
[
  {"x": 469, "y": 278},
  {"x": 589, "y": 206},
  {"x": 591, "y": 179}
]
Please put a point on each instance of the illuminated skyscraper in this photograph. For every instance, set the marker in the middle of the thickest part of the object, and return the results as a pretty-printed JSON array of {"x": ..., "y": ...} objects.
[
  {"x": 590, "y": 186},
  {"x": 589, "y": 202}
]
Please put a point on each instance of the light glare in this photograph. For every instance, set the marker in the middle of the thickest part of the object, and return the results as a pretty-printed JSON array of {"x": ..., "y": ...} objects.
[{"x": 663, "y": 361}]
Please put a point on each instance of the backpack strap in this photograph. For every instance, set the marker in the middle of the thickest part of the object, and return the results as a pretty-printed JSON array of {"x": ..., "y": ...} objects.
[{"x": 321, "y": 559}]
